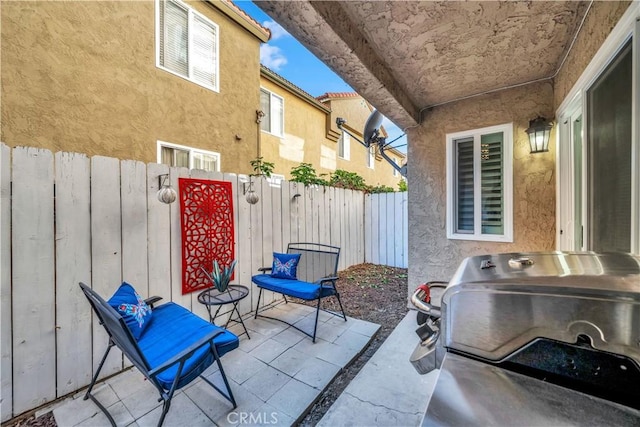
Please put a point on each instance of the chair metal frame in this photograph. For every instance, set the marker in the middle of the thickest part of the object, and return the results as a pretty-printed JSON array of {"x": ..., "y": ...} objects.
[
  {"x": 120, "y": 336},
  {"x": 303, "y": 248}
]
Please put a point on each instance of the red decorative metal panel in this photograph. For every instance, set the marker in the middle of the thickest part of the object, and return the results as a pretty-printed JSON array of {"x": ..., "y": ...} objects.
[{"x": 206, "y": 209}]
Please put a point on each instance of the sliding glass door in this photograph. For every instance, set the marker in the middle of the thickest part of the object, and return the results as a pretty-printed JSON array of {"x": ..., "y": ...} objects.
[{"x": 609, "y": 133}]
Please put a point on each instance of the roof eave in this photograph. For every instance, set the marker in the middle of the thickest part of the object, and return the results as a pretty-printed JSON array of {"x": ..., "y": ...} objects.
[
  {"x": 276, "y": 79},
  {"x": 235, "y": 14}
]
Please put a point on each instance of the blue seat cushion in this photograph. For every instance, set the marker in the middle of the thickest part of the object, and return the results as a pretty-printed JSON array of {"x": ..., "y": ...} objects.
[
  {"x": 173, "y": 328},
  {"x": 294, "y": 288}
]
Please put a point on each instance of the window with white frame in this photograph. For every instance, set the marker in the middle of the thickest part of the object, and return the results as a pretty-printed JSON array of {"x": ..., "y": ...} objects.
[
  {"x": 272, "y": 106},
  {"x": 344, "y": 146},
  {"x": 479, "y": 184},
  {"x": 187, "y": 43},
  {"x": 371, "y": 157},
  {"x": 182, "y": 156},
  {"x": 395, "y": 171}
]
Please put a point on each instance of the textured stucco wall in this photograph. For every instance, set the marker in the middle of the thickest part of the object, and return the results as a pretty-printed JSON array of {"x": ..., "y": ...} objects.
[
  {"x": 431, "y": 255},
  {"x": 304, "y": 135},
  {"x": 82, "y": 76},
  {"x": 601, "y": 19}
]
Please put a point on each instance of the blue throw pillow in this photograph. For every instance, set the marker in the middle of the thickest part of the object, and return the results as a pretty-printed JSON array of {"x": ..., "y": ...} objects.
[
  {"x": 285, "y": 266},
  {"x": 135, "y": 312}
]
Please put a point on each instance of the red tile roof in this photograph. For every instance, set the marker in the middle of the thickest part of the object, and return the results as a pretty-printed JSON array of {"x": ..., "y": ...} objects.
[
  {"x": 329, "y": 95},
  {"x": 247, "y": 17}
]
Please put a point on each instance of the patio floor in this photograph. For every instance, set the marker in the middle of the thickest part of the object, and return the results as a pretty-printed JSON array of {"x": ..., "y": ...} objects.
[{"x": 275, "y": 377}]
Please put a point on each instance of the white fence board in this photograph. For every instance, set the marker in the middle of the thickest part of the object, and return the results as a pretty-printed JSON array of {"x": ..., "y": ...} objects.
[
  {"x": 73, "y": 265},
  {"x": 276, "y": 218},
  {"x": 175, "y": 241},
  {"x": 6, "y": 347},
  {"x": 33, "y": 279},
  {"x": 375, "y": 228},
  {"x": 244, "y": 267},
  {"x": 159, "y": 236},
  {"x": 106, "y": 249},
  {"x": 255, "y": 227},
  {"x": 286, "y": 206},
  {"x": 133, "y": 192},
  {"x": 391, "y": 228}
]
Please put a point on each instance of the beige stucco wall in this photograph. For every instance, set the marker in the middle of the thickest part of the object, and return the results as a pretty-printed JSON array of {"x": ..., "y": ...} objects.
[
  {"x": 602, "y": 17},
  {"x": 304, "y": 136},
  {"x": 431, "y": 255},
  {"x": 82, "y": 76}
]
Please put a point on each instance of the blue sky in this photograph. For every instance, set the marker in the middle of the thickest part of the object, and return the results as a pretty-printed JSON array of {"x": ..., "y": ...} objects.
[{"x": 287, "y": 57}]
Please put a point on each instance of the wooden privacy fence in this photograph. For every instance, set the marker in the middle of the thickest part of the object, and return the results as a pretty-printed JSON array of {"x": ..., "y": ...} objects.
[{"x": 67, "y": 218}]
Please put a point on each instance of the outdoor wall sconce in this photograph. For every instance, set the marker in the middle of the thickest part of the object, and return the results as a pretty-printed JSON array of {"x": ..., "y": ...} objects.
[
  {"x": 539, "y": 131},
  {"x": 166, "y": 193},
  {"x": 251, "y": 196}
]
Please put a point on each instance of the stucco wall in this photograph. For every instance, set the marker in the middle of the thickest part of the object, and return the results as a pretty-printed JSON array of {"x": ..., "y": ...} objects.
[
  {"x": 431, "y": 255},
  {"x": 602, "y": 17},
  {"x": 304, "y": 136},
  {"x": 82, "y": 76}
]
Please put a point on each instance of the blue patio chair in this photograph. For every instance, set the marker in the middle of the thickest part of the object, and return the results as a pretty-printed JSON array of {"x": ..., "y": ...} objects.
[
  {"x": 308, "y": 271},
  {"x": 173, "y": 349}
]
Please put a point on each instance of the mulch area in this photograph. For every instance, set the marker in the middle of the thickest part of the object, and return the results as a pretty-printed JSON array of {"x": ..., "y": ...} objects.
[{"x": 369, "y": 292}]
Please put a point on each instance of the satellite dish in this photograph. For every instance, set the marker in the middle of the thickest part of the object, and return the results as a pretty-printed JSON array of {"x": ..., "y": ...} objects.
[{"x": 371, "y": 127}]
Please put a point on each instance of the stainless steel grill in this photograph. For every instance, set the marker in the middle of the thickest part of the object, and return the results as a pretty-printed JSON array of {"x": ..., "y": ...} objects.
[{"x": 556, "y": 332}]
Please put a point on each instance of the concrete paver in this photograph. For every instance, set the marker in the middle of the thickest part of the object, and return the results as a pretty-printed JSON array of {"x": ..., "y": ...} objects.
[
  {"x": 273, "y": 381},
  {"x": 387, "y": 391},
  {"x": 277, "y": 390}
]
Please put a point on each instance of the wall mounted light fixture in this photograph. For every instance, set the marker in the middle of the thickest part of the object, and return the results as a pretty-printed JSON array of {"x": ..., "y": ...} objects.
[
  {"x": 166, "y": 193},
  {"x": 539, "y": 131},
  {"x": 247, "y": 189}
]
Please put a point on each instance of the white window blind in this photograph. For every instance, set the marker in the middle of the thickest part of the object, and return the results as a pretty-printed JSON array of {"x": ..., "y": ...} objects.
[
  {"x": 272, "y": 106},
  {"x": 344, "y": 146},
  {"x": 265, "y": 107},
  {"x": 187, "y": 43},
  {"x": 491, "y": 156},
  {"x": 479, "y": 183},
  {"x": 183, "y": 156},
  {"x": 371, "y": 157},
  {"x": 204, "y": 52},
  {"x": 464, "y": 185}
]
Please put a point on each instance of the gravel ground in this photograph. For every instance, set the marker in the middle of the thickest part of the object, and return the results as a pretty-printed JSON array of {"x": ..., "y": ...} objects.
[{"x": 369, "y": 292}]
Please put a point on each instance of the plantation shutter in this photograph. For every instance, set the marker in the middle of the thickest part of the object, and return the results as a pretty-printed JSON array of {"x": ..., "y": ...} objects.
[
  {"x": 265, "y": 106},
  {"x": 492, "y": 187},
  {"x": 174, "y": 38},
  {"x": 204, "y": 52},
  {"x": 464, "y": 185}
]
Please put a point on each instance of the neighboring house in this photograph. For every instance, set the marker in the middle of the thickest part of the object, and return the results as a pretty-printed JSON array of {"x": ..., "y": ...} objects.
[
  {"x": 157, "y": 81},
  {"x": 352, "y": 155},
  {"x": 297, "y": 128},
  {"x": 465, "y": 83}
]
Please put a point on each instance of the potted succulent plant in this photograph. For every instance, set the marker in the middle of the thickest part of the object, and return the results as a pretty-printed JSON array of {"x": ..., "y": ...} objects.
[{"x": 222, "y": 276}]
